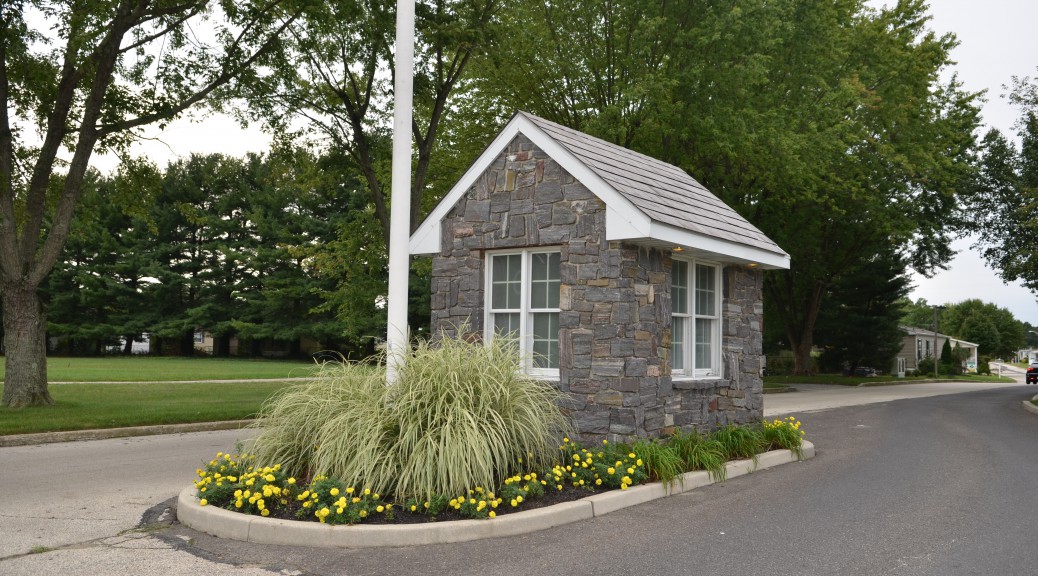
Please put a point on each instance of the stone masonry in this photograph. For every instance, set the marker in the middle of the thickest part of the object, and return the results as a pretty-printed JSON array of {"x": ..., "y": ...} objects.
[{"x": 614, "y": 335}]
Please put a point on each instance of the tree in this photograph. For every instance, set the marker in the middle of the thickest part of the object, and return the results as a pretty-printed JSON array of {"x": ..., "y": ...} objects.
[
  {"x": 994, "y": 328},
  {"x": 859, "y": 324},
  {"x": 824, "y": 123},
  {"x": 918, "y": 314},
  {"x": 76, "y": 77},
  {"x": 335, "y": 74}
]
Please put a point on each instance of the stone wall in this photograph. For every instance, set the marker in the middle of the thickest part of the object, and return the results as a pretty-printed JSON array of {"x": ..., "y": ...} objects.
[{"x": 614, "y": 334}]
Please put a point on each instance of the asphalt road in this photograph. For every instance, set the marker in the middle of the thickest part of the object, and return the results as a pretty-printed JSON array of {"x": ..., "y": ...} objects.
[{"x": 938, "y": 485}]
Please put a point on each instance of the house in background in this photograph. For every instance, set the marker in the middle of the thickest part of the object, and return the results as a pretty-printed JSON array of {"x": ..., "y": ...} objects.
[
  {"x": 917, "y": 344},
  {"x": 627, "y": 284}
]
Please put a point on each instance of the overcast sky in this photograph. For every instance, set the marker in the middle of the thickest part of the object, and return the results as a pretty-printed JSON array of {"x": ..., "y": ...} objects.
[{"x": 997, "y": 42}]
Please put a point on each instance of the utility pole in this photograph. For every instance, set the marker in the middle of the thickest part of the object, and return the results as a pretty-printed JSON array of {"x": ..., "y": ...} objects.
[{"x": 936, "y": 324}]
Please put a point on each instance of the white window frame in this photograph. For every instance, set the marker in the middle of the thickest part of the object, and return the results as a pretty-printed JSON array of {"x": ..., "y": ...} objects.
[
  {"x": 688, "y": 336},
  {"x": 525, "y": 311}
]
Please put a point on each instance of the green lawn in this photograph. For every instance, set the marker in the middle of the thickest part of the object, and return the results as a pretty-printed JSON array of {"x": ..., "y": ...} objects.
[
  {"x": 89, "y": 406},
  {"x": 157, "y": 368}
]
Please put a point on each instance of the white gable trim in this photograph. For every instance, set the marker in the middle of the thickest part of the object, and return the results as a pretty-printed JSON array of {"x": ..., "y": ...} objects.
[{"x": 623, "y": 220}]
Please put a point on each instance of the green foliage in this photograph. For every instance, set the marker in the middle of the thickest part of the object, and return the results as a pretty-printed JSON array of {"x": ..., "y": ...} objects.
[
  {"x": 84, "y": 76},
  {"x": 783, "y": 433},
  {"x": 925, "y": 366},
  {"x": 699, "y": 453},
  {"x": 738, "y": 442},
  {"x": 461, "y": 415},
  {"x": 662, "y": 463},
  {"x": 859, "y": 323},
  {"x": 824, "y": 123},
  {"x": 236, "y": 484},
  {"x": 946, "y": 352}
]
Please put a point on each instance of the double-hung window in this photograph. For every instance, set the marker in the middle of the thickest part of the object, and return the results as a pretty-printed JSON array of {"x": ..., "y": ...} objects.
[
  {"x": 695, "y": 321},
  {"x": 523, "y": 304}
]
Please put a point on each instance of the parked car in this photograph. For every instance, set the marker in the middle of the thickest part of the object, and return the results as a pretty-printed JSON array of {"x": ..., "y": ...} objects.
[
  {"x": 864, "y": 371},
  {"x": 1032, "y": 373}
]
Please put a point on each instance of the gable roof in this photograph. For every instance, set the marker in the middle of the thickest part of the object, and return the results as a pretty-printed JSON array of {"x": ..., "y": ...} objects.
[
  {"x": 913, "y": 331},
  {"x": 647, "y": 201}
]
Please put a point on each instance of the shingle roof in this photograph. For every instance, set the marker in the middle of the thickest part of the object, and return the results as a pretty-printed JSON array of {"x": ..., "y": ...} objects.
[
  {"x": 647, "y": 200},
  {"x": 663, "y": 191}
]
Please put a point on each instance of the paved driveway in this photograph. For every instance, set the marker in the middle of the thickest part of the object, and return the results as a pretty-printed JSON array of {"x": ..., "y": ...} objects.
[{"x": 939, "y": 484}]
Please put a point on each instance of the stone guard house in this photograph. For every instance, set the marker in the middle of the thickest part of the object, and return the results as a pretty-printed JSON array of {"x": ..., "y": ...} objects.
[{"x": 628, "y": 284}]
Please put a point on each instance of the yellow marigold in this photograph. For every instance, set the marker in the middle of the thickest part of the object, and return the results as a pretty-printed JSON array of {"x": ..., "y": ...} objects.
[
  {"x": 203, "y": 502},
  {"x": 492, "y": 514},
  {"x": 334, "y": 491},
  {"x": 264, "y": 512},
  {"x": 380, "y": 509}
]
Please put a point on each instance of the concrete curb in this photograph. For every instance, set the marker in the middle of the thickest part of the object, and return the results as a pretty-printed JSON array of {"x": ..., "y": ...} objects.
[
  {"x": 258, "y": 530},
  {"x": 1029, "y": 406},
  {"x": 103, "y": 434}
]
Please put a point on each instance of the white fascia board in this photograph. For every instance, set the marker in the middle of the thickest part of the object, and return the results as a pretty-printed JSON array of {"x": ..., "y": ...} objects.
[
  {"x": 726, "y": 248},
  {"x": 623, "y": 218}
]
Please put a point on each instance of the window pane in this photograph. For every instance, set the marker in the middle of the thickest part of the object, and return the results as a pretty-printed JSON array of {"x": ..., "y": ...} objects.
[
  {"x": 506, "y": 283},
  {"x": 705, "y": 290},
  {"x": 554, "y": 279},
  {"x": 507, "y": 324},
  {"x": 544, "y": 285},
  {"x": 679, "y": 287},
  {"x": 677, "y": 344},
  {"x": 704, "y": 344},
  {"x": 546, "y": 340}
]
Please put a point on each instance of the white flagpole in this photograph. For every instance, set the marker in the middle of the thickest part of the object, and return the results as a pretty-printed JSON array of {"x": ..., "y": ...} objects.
[{"x": 400, "y": 208}]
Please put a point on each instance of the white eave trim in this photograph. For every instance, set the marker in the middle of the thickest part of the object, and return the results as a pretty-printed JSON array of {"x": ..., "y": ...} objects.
[{"x": 667, "y": 236}]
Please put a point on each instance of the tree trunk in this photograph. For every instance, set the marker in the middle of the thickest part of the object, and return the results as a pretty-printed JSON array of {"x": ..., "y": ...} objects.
[{"x": 25, "y": 344}]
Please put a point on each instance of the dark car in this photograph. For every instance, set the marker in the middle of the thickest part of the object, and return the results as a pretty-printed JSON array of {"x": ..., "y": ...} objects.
[
  {"x": 865, "y": 371},
  {"x": 1032, "y": 373}
]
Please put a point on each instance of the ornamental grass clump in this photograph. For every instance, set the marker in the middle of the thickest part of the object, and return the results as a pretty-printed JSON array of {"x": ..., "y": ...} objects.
[
  {"x": 342, "y": 410},
  {"x": 467, "y": 416},
  {"x": 461, "y": 414}
]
